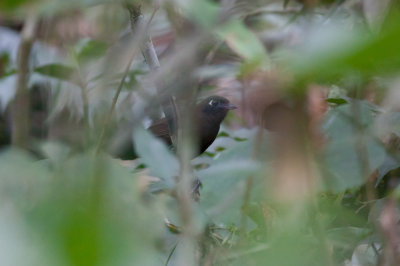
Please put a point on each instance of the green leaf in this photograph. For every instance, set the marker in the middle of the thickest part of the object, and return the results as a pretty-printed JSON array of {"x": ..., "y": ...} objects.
[
  {"x": 337, "y": 101},
  {"x": 6, "y": 66},
  {"x": 352, "y": 152},
  {"x": 347, "y": 237},
  {"x": 59, "y": 71},
  {"x": 222, "y": 134},
  {"x": 242, "y": 41},
  {"x": 153, "y": 152},
  {"x": 13, "y": 4},
  {"x": 91, "y": 50},
  {"x": 204, "y": 13},
  {"x": 353, "y": 52},
  {"x": 224, "y": 181}
]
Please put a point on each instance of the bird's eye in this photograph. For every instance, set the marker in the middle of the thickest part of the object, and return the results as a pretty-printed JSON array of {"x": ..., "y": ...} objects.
[{"x": 213, "y": 103}]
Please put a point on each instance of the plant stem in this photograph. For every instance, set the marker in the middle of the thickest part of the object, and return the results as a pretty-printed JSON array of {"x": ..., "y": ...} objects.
[{"x": 20, "y": 106}]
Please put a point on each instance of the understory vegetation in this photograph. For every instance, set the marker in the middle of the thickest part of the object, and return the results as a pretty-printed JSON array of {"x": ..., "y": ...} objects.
[{"x": 305, "y": 171}]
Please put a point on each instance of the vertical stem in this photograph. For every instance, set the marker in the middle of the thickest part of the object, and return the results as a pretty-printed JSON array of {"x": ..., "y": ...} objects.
[
  {"x": 107, "y": 120},
  {"x": 186, "y": 255},
  {"x": 140, "y": 29},
  {"x": 20, "y": 106},
  {"x": 85, "y": 105}
]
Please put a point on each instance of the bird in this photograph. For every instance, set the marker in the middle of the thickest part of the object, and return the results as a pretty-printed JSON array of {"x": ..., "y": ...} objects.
[{"x": 208, "y": 116}]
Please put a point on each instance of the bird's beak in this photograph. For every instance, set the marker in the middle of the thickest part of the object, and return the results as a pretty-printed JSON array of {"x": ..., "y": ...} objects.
[{"x": 229, "y": 106}]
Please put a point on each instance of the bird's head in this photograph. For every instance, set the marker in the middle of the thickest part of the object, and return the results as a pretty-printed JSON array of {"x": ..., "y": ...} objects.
[{"x": 216, "y": 106}]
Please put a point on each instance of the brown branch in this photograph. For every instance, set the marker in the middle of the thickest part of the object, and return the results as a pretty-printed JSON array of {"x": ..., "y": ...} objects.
[
  {"x": 20, "y": 106},
  {"x": 389, "y": 225}
]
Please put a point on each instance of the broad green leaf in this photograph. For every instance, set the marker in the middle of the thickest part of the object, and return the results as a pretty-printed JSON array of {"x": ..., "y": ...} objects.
[
  {"x": 352, "y": 152},
  {"x": 224, "y": 182},
  {"x": 160, "y": 160}
]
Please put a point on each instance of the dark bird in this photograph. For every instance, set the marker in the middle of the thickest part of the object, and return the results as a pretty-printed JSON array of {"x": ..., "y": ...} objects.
[{"x": 208, "y": 116}]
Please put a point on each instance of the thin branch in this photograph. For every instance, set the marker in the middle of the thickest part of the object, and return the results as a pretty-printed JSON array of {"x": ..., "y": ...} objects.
[
  {"x": 107, "y": 120},
  {"x": 171, "y": 253},
  {"x": 135, "y": 18},
  {"x": 150, "y": 55},
  {"x": 20, "y": 106}
]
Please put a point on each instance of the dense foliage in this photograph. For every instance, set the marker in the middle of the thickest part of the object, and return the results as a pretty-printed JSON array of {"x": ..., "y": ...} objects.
[{"x": 304, "y": 172}]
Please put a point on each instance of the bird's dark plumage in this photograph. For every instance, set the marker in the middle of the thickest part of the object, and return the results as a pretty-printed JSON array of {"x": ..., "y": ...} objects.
[{"x": 208, "y": 116}]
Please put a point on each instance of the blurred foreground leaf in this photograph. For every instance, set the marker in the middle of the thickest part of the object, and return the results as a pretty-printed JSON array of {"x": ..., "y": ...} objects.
[
  {"x": 244, "y": 42},
  {"x": 350, "y": 52},
  {"x": 85, "y": 212},
  {"x": 352, "y": 152},
  {"x": 160, "y": 160},
  {"x": 59, "y": 71},
  {"x": 91, "y": 50},
  {"x": 224, "y": 182}
]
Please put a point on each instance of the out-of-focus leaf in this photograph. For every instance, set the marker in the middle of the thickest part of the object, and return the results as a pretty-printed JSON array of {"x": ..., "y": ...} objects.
[
  {"x": 91, "y": 50},
  {"x": 375, "y": 12},
  {"x": 352, "y": 152},
  {"x": 224, "y": 182},
  {"x": 132, "y": 79},
  {"x": 88, "y": 202},
  {"x": 56, "y": 152},
  {"x": 389, "y": 164},
  {"x": 20, "y": 173},
  {"x": 389, "y": 123},
  {"x": 204, "y": 13},
  {"x": 337, "y": 101},
  {"x": 13, "y": 4},
  {"x": 291, "y": 248},
  {"x": 244, "y": 43},
  {"x": 364, "y": 255},
  {"x": 160, "y": 160},
  {"x": 285, "y": 2},
  {"x": 347, "y": 237},
  {"x": 222, "y": 134},
  {"x": 342, "y": 54},
  {"x": 59, "y": 71},
  {"x": 5, "y": 66}
]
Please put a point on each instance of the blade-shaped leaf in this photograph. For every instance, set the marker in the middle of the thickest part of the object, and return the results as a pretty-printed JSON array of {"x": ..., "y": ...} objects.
[{"x": 59, "y": 71}]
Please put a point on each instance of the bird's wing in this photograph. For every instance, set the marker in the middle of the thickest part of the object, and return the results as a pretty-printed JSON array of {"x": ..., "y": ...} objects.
[{"x": 160, "y": 130}]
